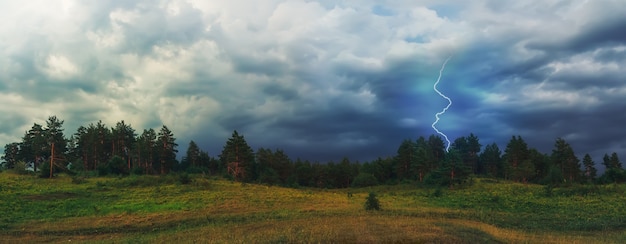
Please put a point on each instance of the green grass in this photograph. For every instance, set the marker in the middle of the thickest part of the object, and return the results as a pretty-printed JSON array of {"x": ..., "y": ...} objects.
[{"x": 160, "y": 209}]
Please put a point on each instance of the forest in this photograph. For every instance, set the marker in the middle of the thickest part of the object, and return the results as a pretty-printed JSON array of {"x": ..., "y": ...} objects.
[{"x": 99, "y": 150}]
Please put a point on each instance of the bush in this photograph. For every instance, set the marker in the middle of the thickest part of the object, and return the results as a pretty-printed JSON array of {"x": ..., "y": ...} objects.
[
  {"x": 78, "y": 180},
  {"x": 371, "y": 202},
  {"x": 20, "y": 168},
  {"x": 115, "y": 166},
  {"x": 137, "y": 171},
  {"x": 196, "y": 170},
  {"x": 437, "y": 193},
  {"x": 44, "y": 170},
  {"x": 364, "y": 180},
  {"x": 184, "y": 179}
]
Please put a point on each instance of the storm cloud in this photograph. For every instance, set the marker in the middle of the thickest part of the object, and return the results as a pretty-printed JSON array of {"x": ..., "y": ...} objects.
[{"x": 320, "y": 79}]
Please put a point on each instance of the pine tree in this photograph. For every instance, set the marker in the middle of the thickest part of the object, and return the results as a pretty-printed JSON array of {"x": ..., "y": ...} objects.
[
  {"x": 192, "y": 156},
  {"x": 122, "y": 142},
  {"x": 424, "y": 159},
  {"x": 491, "y": 159},
  {"x": 146, "y": 146},
  {"x": 238, "y": 158},
  {"x": 564, "y": 158},
  {"x": 55, "y": 143},
  {"x": 589, "y": 166},
  {"x": 516, "y": 153},
  {"x": 166, "y": 148},
  {"x": 614, "y": 160},
  {"x": 405, "y": 158},
  {"x": 33, "y": 146},
  {"x": 11, "y": 155},
  {"x": 437, "y": 147}
]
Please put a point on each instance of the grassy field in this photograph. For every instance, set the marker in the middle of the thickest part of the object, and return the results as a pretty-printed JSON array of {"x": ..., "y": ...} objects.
[{"x": 157, "y": 209}]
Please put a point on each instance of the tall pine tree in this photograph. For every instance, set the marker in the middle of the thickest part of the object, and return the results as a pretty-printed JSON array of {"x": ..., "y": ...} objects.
[{"x": 238, "y": 158}]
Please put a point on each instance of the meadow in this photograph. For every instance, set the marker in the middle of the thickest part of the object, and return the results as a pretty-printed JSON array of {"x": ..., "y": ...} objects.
[{"x": 160, "y": 209}]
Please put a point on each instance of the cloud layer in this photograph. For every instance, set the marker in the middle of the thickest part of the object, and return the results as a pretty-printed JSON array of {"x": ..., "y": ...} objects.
[{"x": 320, "y": 79}]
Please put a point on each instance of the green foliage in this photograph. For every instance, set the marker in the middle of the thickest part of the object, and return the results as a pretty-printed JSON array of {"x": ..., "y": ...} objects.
[
  {"x": 115, "y": 166},
  {"x": 554, "y": 177},
  {"x": 44, "y": 170},
  {"x": 184, "y": 179},
  {"x": 138, "y": 171},
  {"x": 436, "y": 193},
  {"x": 372, "y": 203},
  {"x": 364, "y": 180},
  {"x": 613, "y": 175},
  {"x": 78, "y": 180},
  {"x": 269, "y": 176},
  {"x": 563, "y": 157},
  {"x": 237, "y": 158},
  {"x": 20, "y": 168},
  {"x": 451, "y": 172}
]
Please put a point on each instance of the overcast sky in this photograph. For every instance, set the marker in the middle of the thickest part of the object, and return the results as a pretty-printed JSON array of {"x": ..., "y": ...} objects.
[{"x": 320, "y": 79}]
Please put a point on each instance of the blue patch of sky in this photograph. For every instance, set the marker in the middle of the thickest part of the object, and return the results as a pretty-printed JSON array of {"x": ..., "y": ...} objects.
[
  {"x": 446, "y": 11},
  {"x": 382, "y": 10}
]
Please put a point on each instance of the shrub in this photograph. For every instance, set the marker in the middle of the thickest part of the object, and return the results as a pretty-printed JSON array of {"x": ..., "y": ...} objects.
[
  {"x": 137, "y": 171},
  {"x": 371, "y": 202},
  {"x": 20, "y": 168},
  {"x": 437, "y": 193},
  {"x": 44, "y": 170},
  {"x": 184, "y": 179},
  {"x": 115, "y": 166},
  {"x": 195, "y": 170},
  {"x": 78, "y": 180}
]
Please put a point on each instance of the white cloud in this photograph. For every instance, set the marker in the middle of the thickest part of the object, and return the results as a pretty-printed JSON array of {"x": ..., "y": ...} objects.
[{"x": 59, "y": 67}]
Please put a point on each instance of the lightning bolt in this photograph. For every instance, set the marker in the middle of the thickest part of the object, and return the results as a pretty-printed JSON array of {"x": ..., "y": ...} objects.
[{"x": 443, "y": 66}]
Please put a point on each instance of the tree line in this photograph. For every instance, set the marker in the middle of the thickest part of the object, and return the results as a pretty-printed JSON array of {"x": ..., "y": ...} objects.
[{"x": 120, "y": 150}]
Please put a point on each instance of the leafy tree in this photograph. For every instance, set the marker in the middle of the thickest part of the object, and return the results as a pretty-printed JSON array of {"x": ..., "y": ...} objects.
[
  {"x": 364, "y": 180},
  {"x": 491, "y": 159},
  {"x": 343, "y": 174},
  {"x": 383, "y": 169},
  {"x": 238, "y": 158},
  {"x": 564, "y": 158},
  {"x": 11, "y": 155},
  {"x": 33, "y": 146},
  {"x": 589, "y": 168},
  {"x": 166, "y": 149},
  {"x": 304, "y": 173}
]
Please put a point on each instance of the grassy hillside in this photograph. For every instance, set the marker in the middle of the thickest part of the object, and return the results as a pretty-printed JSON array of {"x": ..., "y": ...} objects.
[{"x": 160, "y": 209}]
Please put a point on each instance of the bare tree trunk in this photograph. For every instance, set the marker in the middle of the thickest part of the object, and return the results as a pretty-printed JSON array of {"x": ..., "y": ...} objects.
[{"x": 51, "y": 159}]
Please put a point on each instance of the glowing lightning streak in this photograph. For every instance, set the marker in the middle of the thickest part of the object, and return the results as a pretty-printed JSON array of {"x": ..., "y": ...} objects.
[{"x": 443, "y": 66}]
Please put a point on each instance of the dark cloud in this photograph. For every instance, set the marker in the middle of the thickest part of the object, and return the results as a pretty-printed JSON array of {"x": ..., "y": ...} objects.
[{"x": 321, "y": 80}]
